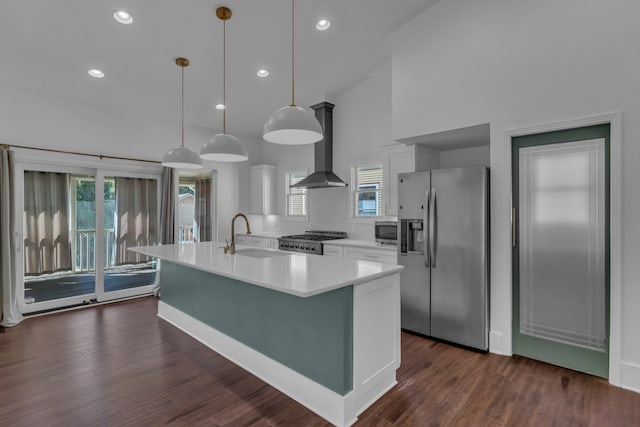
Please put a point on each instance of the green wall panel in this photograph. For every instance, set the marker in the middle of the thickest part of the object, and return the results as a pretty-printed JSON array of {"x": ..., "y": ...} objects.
[{"x": 313, "y": 336}]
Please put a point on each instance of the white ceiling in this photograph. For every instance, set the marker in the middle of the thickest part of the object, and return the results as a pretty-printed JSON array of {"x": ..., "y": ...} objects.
[{"x": 48, "y": 46}]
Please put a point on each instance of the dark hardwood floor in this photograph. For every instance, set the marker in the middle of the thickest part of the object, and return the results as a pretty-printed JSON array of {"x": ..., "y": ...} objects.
[{"x": 119, "y": 365}]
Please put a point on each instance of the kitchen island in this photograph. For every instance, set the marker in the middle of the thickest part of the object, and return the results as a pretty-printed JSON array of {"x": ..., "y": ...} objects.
[{"x": 322, "y": 330}]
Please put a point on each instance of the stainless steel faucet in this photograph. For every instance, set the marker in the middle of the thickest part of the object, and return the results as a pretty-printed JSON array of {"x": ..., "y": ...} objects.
[{"x": 232, "y": 247}]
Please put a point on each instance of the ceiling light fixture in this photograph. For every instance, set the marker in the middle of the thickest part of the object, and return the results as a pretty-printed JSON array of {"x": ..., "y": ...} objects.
[
  {"x": 262, "y": 72},
  {"x": 323, "y": 24},
  {"x": 122, "y": 17},
  {"x": 220, "y": 107},
  {"x": 292, "y": 125},
  {"x": 94, "y": 72},
  {"x": 224, "y": 147},
  {"x": 181, "y": 157}
]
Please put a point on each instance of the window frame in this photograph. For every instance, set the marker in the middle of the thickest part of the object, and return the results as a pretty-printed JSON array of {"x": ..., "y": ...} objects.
[
  {"x": 380, "y": 191},
  {"x": 288, "y": 194}
]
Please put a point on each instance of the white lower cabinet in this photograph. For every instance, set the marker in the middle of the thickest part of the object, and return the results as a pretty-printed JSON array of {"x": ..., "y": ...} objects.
[
  {"x": 378, "y": 255},
  {"x": 354, "y": 252},
  {"x": 272, "y": 243},
  {"x": 332, "y": 250},
  {"x": 257, "y": 241}
]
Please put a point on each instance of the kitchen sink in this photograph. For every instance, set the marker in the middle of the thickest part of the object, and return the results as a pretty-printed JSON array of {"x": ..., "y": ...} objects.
[{"x": 260, "y": 253}]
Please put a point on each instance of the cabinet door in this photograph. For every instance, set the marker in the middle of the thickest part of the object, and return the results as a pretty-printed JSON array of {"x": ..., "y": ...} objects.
[
  {"x": 332, "y": 250},
  {"x": 272, "y": 244},
  {"x": 262, "y": 189},
  {"x": 256, "y": 242},
  {"x": 367, "y": 254},
  {"x": 257, "y": 190},
  {"x": 399, "y": 160}
]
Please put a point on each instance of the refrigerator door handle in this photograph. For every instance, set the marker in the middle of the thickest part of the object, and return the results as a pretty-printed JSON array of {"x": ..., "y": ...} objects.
[
  {"x": 433, "y": 228},
  {"x": 427, "y": 255},
  {"x": 514, "y": 227}
]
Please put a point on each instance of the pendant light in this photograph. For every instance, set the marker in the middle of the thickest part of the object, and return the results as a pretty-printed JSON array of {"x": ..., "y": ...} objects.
[
  {"x": 292, "y": 125},
  {"x": 224, "y": 147},
  {"x": 181, "y": 157}
]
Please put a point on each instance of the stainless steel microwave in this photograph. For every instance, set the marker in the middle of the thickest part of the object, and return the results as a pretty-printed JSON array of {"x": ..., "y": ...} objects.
[{"x": 386, "y": 232}]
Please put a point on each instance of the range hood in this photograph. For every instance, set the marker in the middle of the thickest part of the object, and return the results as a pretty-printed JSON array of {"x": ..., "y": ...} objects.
[{"x": 323, "y": 177}]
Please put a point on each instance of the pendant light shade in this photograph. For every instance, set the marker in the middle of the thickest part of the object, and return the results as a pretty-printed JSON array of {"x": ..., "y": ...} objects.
[
  {"x": 292, "y": 125},
  {"x": 224, "y": 147},
  {"x": 181, "y": 157}
]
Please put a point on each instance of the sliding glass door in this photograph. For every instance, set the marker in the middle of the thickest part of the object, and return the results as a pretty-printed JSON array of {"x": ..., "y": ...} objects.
[
  {"x": 130, "y": 219},
  {"x": 58, "y": 230},
  {"x": 77, "y": 228}
]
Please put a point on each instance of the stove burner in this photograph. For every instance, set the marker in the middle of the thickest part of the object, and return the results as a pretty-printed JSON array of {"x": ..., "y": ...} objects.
[{"x": 309, "y": 242}]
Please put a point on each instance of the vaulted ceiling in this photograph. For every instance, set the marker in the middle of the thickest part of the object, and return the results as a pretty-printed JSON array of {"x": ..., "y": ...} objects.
[{"x": 48, "y": 46}]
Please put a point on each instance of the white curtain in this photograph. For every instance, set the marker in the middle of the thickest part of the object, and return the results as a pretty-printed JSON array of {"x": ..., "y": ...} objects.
[
  {"x": 202, "y": 216},
  {"x": 137, "y": 218},
  {"x": 9, "y": 310},
  {"x": 46, "y": 222},
  {"x": 167, "y": 206},
  {"x": 167, "y": 213}
]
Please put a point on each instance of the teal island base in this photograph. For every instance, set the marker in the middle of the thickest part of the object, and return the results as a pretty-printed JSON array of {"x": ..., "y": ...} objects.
[{"x": 335, "y": 353}]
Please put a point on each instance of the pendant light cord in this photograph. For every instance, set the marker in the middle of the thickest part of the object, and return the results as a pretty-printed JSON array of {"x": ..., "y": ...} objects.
[
  {"x": 224, "y": 76},
  {"x": 182, "y": 130},
  {"x": 293, "y": 90}
]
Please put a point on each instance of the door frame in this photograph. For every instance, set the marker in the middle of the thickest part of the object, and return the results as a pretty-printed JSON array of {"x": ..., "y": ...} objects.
[
  {"x": 26, "y": 159},
  {"x": 20, "y": 168},
  {"x": 102, "y": 173},
  {"x": 614, "y": 119}
]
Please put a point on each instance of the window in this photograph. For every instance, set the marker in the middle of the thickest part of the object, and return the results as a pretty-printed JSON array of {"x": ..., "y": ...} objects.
[
  {"x": 367, "y": 190},
  {"x": 195, "y": 222},
  {"x": 296, "y": 197},
  {"x": 186, "y": 210}
]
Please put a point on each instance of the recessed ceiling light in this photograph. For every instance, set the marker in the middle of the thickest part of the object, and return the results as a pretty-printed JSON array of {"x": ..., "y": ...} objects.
[
  {"x": 122, "y": 17},
  {"x": 94, "y": 72},
  {"x": 323, "y": 24},
  {"x": 262, "y": 73},
  {"x": 220, "y": 107}
]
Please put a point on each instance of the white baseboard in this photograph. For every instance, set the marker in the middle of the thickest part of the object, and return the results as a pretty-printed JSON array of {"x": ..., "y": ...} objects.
[
  {"x": 498, "y": 344},
  {"x": 630, "y": 376},
  {"x": 339, "y": 410}
]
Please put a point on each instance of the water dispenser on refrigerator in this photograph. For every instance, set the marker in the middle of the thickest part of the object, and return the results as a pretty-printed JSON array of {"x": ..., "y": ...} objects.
[{"x": 411, "y": 236}]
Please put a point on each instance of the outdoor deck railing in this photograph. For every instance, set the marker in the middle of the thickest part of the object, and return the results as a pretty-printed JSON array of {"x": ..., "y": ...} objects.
[
  {"x": 85, "y": 243},
  {"x": 185, "y": 234}
]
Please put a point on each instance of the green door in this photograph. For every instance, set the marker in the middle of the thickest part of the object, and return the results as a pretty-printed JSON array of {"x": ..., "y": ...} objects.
[{"x": 561, "y": 248}]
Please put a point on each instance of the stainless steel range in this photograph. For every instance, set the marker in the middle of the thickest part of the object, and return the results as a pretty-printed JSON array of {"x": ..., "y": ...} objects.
[{"x": 310, "y": 242}]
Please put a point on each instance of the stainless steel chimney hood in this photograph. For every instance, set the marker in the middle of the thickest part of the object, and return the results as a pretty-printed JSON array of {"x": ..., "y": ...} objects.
[{"x": 323, "y": 176}]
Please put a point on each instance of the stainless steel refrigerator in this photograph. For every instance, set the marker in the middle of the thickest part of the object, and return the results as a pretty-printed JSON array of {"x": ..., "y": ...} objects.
[{"x": 443, "y": 221}]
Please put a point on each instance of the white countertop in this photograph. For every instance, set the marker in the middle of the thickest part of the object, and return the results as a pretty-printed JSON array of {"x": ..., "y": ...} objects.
[
  {"x": 361, "y": 244},
  {"x": 290, "y": 272}
]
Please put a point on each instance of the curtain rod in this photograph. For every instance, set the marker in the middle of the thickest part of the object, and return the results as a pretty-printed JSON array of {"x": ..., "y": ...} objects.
[{"x": 100, "y": 156}]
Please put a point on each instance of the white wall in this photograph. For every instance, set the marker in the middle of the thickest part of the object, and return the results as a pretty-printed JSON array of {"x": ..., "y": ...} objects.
[
  {"x": 37, "y": 120},
  {"x": 463, "y": 157},
  {"x": 520, "y": 63}
]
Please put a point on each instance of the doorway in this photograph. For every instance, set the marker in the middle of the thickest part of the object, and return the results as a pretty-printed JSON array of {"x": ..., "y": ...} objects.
[
  {"x": 561, "y": 247},
  {"x": 196, "y": 207},
  {"x": 76, "y": 225}
]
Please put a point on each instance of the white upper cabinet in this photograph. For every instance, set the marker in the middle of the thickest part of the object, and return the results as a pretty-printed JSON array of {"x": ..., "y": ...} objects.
[
  {"x": 399, "y": 159},
  {"x": 263, "y": 195}
]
